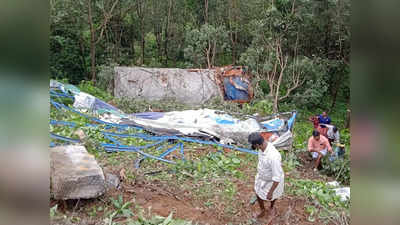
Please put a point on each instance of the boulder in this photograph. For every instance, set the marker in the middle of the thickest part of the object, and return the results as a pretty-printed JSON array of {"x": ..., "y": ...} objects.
[
  {"x": 112, "y": 181},
  {"x": 75, "y": 174}
]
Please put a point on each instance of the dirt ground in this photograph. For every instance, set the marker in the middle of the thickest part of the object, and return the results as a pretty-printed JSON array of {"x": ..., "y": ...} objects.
[{"x": 161, "y": 198}]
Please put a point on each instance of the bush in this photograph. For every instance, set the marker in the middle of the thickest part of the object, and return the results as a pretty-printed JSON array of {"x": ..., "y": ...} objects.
[
  {"x": 88, "y": 87},
  {"x": 339, "y": 168},
  {"x": 105, "y": 77}
]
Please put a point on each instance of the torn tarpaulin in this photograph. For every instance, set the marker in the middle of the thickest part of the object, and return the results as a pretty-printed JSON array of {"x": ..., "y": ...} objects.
[{"x": 203, "y": 123}]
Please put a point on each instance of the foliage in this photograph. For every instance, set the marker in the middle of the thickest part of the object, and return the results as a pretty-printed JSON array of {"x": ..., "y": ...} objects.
[
  {"x": 262, "y": 107},
  {"x": 158, "y": 220},
  {"x": 339, "y": 168},
  {"x": 290, "y": 161},
  {"x": 316, "y": 190},
  {"x": 325, "y": 204},
  {"x": 214, "y": 165},
  {"x": 121, "y": 210},
  {"x": 130, "y": 105},
  {"x": 204, "y": 44},
  {"x": 88, "y": 87},
  {"x": 105, "y": 77},
  {"x": 53, "y": 211}
]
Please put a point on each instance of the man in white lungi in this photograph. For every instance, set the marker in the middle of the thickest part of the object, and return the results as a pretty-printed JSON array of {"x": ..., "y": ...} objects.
[{"x": 269, "y": 180}]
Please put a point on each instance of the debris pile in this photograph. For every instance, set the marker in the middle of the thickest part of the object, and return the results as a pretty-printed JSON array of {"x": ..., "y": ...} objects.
[{"x": 158, "y": 129}]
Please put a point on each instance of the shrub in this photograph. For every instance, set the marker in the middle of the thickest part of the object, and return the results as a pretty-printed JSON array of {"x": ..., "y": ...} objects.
[{"x": 88, "y": 87}]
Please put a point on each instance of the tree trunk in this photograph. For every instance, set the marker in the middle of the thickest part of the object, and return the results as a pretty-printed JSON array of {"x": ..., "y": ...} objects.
[
  {"x": 334, "y": 96},
  {"x": 208, "y": 55},
  {"x": 205, "y": 11},
  {"x": 92, "y": 43},
  {"x": 276, "y": 99},
  {"x": 348, "y": 119},
  {"x": 233, "y": 39},
  {"x": 140, "y": 13},
  {"x": 82, "y": 48},
  {"x": 143, "y": 41},
  {"x": 233, "y": 16},
  {"x": 93, "y": 60},
  {"x": 167, "y": 34},
  {"x": 348, "y": 114}
]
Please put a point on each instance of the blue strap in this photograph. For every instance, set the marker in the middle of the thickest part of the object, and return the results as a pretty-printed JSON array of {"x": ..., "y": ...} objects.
[
  {"x": 62, "y": 95},
  {"x": 65, "y": 123},
  {"x": 112, "y": 139},
  {"x": 141, "y": 152},
  {"x": 169, "y": 151},
  {"x": 59, "y": 137},
  {"x": 183, "y": 155},
  {"x": 60, "y": 105},
  {"x": 133, "y": 148},
  {"x": 146, "y": 137}
]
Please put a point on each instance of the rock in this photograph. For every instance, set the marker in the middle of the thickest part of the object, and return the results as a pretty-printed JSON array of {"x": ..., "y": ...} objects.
[
  {"x": 112, "y": 181},
  {"x": 74, "y": 173},
  {"x": 80, "y": 134}
]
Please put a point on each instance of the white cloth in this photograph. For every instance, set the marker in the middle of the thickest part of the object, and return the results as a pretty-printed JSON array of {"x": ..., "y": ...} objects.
[
  {"x": 269, "y": 169},
  {"x": 323, "y": 152},
  {"x": 333, "y": 135}
]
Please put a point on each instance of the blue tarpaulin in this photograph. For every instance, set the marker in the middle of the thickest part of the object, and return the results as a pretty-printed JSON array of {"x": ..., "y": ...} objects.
[
  {"x": 273, "y": 125},
  {"x": 99, "y": 104},
  {"x": 240, "y": 92},
  {"x": 291, "y": 120}
]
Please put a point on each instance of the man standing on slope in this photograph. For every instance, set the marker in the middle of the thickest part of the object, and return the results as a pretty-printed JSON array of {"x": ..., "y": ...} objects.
[{"x": 269, "y": 180}]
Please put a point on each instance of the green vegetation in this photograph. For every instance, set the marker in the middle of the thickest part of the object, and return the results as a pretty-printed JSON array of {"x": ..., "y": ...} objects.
[
  {"x": 324, "y": 203},
  {"x": 121, "y": 208},
  {"x": 213, "y": 165},
  {"x": 158, "y": 220}
]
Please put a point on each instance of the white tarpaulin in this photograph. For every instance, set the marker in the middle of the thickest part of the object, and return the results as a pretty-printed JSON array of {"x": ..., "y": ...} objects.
[
  {"x": 84, "y": 101},
  {"x": 283, "y": 140},
  {"x": 205, "y": 121}
]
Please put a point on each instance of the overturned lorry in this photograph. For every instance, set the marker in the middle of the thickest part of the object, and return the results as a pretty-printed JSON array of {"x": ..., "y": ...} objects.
[{"x": 189, "y": 86}]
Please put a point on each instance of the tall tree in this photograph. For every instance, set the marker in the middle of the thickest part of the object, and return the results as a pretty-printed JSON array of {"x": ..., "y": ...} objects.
[{"x": 97, "y": 34}]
